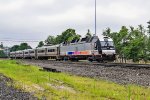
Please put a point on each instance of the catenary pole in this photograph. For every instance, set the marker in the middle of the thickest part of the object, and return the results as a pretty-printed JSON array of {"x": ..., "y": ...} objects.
[{"x": 95, "y": 19}]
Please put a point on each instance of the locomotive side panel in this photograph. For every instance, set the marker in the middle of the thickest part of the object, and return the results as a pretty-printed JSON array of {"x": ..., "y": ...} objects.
[{"x": 78, "y": 50}]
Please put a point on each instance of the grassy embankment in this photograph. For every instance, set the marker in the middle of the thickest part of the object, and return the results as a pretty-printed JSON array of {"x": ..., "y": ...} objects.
[{"x": 63, "y": 86}]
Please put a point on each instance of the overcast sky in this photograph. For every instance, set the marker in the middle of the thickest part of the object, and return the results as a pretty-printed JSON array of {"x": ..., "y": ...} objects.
[{"x": 36, "y": 19}]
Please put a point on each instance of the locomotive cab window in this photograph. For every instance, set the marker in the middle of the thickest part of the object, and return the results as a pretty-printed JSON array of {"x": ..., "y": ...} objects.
[{"x": 107, "y": 45}]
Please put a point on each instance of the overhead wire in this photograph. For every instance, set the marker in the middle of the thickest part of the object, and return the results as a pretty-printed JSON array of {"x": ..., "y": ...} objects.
[{"x": 15, "y": 40}]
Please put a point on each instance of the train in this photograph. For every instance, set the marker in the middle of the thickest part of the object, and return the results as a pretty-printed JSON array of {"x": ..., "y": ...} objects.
[{"x": 87, "y": 48}]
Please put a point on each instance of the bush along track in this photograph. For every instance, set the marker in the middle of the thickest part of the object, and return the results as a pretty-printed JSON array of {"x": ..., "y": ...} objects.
[{"x": 56, "y": 86}]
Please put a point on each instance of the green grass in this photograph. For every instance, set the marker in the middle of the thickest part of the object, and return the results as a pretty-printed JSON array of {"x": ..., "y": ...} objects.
[{"x": 56, "y": 86}]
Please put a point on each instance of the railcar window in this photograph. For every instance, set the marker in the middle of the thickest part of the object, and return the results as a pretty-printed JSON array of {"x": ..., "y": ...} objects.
[
  {"x": 41, "y": 51},
  {"x": 26, "y": 52},
  {"x": 51, "y": 50},
  {"x": 31, "y": 51}
]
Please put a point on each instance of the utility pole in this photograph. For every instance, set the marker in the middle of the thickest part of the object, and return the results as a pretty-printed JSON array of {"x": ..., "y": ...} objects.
[{"x": 95, "y": 19}]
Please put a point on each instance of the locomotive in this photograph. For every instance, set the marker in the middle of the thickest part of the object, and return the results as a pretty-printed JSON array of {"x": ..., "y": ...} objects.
[{"x": 88, "y": 48}]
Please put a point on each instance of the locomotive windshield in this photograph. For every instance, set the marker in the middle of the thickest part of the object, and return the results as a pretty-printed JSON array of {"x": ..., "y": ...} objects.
[{"x": 107, "y": 45}]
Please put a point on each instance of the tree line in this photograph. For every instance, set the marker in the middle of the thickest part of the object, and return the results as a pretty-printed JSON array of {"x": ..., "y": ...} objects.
[
  {"x": 66, "y": 36},
  {"x": 22, "y": 46},
  {"x": 131, "y": 43},
  {"x": 2, "y": 54}
]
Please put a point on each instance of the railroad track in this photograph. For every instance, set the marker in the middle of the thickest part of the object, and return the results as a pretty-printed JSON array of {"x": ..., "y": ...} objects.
[
  {"x": 117, "y": 72},
  {"x": 86, "y": 63},
  {"x": 125, "y": 65}
]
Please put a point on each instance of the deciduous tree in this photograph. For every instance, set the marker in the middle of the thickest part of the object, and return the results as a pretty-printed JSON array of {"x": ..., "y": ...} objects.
[{"x": 41, "y": 43}]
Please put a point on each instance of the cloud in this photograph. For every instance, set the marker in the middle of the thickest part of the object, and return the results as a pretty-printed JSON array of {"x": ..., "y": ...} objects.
[
  {"x": 10, "y": 6},
  {"x": 36, "y": 19}
]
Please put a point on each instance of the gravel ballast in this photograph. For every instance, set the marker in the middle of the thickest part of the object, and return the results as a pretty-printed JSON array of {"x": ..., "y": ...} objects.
[
  {"x": 121, "y": 75},
  {"x": 8, "y": 92}
]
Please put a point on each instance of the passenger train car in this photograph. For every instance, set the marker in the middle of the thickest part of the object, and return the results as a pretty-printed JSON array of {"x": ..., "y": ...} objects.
[{"x": 91, "y": 49}]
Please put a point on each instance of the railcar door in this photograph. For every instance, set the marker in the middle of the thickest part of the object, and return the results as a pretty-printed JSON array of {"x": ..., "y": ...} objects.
[
  {"x": 58, "y": 50},
  {"x": 36, "y": 56},
  {"x": 46, "y": 51}
]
